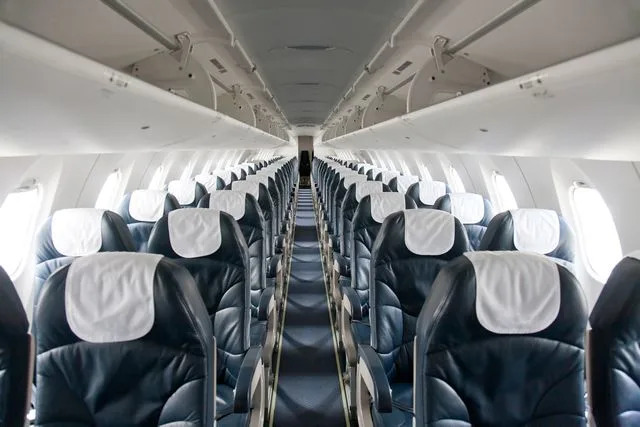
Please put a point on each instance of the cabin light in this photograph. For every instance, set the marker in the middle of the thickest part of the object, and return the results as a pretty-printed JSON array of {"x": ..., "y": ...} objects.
[
  {"x": 484, "y": 130},
  {"x": 145, "y": 127}
]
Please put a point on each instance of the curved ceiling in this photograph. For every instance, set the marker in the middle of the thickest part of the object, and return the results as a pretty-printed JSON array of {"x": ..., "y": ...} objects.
[{"x": 311, "y": 50}]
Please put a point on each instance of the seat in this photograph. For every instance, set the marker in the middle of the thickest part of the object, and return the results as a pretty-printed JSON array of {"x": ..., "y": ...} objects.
[
  {"x": 613, "y": 352},
  {"x": 425, "y": 193},
  {"x": 531, "y": 230},
  {"x": 402, "y": 183},
  {"x": 500, "y": 342},
  {"x": 16, "y": 356},
  {"x": 210, "y": 245},
  {"x": 124, "y": 339},
  {"x": 411, "y": 248},
  {"x": 141, "y": 209},
  {"x": 473, "y": 210},
  {"x": 339, "y": 196},
  {"x": 211, "y": 182},
  {"x": 187, "y": 192},
  {"x": 386, "y": 176}
]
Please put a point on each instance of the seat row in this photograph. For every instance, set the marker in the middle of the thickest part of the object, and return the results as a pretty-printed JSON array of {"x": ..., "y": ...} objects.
[
  {"x": 487, "y": 337},
  {"x": 183, "y": 333}
]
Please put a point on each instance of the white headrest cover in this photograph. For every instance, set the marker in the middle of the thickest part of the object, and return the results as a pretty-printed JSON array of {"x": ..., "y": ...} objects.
[
  {"x": 225, "y": 176},
  {"x": 77, "y": 232},
  {"x": 365, "y": 188},
  {"x": 384, "y": 204},
  {"x": 231, "y": 202},
  {"x": 109, "y": 296},
  {"x": 350, "y": 179},
  {"x": 535, "y": 230},
  {"x": 367, "y": 168},
  {"x": 260, "y": 177},
  {"x": 184, "y": 191},
  {"x": 467, "y": 207},
  {"x": 388, "y": 176},
  {"x": 147, "y": 205},
  {"x": 194, "y": 233},
  {"x": 405, "y": 181},
  {"x": 251, "y": 187},
  {"x": 209, "y": 181},
  {"x": 244, "y": 167},
  {"x": 430, "y": 191},
  {"x": 429, "y": 232},
  {"x": 516, "y": 292}
]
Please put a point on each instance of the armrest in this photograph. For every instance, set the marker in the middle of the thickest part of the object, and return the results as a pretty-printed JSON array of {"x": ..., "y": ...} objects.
[
  {"x": 251, "y": 365},
  {"x": 273, "y": 265},
  {"x": 351, "y": 303},
  {"x": 341, "y": 265},
  {"x": 371, "y": 371},
  {"x": 265, "y": 301}
]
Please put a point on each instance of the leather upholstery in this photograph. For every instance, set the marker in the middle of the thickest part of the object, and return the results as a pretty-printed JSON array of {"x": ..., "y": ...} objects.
[
  {"x": 414, "y": 193},
  {"x": 140, "y": 231},
  {"x": 164, "y": 378},
  {"x": 614, "y": 355},
  {"x": 475, "y": 232},
  {"x": 15, "y": 356},
  {"x": 200, "y": 191},
  {"x": 468, "y": 375}
]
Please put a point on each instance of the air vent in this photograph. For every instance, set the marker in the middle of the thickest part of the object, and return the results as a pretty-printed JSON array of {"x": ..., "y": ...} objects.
[
  {"x": 366, "y": 97},
  {"x": 311, "y": 47},
  {"x": 402, "y": 67},
  {"x": 218, "y": 65}
]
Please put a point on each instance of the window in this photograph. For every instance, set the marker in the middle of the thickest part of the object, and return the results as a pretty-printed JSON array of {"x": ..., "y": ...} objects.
[
  {"x": 424, "y": 172},
  {"x": 596, "y": 230},
  {"x": 455, "y": 181},
  {"x": 157, "y": 181},
  {"x": 188, "y": 171},
  {"x": 207, "y": 166},
  {"x": 110, "y": 194},
  {"x": 17, "y": 226},
  {"x": 506, "y": 200}
]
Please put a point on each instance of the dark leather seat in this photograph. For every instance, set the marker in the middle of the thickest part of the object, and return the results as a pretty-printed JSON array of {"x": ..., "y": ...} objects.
[
  {"x": 211, "y": 182},
  {"x": 473, "y": 210},
  {"x": 531, "y": 230},
  {"x": 124, "y": 339},
  {"x": 425, "y": 193},
  {"x": 338, "y": 197},
  {"x": 16, "y": 355},
  {"x": 614, "y": 356},
  {"x": 187, "y": 192},
  {"x": 141, "y": 209},
  {"x": 402, "y": 184},
  {"x": 211, "y": 246},
  {"x": 410, "y": 250},
  {"x": 386, "y": 176},
  {"x": 500, "y": 341}
]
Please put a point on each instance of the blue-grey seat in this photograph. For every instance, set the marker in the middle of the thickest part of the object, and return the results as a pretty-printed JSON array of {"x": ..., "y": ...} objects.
[
  {"x": 16, "y": 354},
  {"x": 614, "y": 355},
  {"x": 124, "y": 339},
  {"x": 411, "y": 248},
  {"x": 211, "y": 182},
  {"x": 211, "y": 246},
  {"x": 473, "y": 210},
  {"x": 141, "y": 209},
  {"x": 187, "y": 192},
  {"x": 500, "y": 341},
  {"x": 402, "y": 183},
  {"x": 425, "y": 193}
]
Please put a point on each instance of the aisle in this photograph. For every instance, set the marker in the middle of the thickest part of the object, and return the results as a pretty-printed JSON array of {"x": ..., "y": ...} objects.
[{"x": 308, "y": 391}]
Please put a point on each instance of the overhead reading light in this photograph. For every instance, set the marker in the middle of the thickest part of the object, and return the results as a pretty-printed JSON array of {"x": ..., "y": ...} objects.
[{"x": 311, "y": 47}]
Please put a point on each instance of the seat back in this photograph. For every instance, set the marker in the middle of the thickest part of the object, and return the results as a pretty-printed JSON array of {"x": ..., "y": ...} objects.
[
  {"x": 210, "y": 245},
  {"x": 124, "y": 339},
  {"x": 386, "y": 176},
  {"x": 187, "y": 192},
  {"x": 409, "y": 252},
  {"x": 266, "y": 205},
  {"x": 473, "y": 210},
  {"x": 500, "y": 342},
  {"x": 614, "y": 355},
  {"x": 16, "y": 356},
  {"x": 425, "y": 193},
  {"x": 141, "y": 209},
  {"x": 244, "y": 208},
  {"x": 402, "y": 183},
  {"x": 211, "y": 182},
  {"x": 531, "y": 230},
  {"x": 338, "y": 198},
  {"x": 367, "y": 221},
  {"x": 352, "y": 198}
]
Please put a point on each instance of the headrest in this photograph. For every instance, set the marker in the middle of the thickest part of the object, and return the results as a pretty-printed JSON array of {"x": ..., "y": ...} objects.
[
  {"x": 365, "y": 188},
  {"x": 13, "y": 319},
  {"x": 467, "y": 207},
  {"x": 384, "y": 204},
  {"x": 146, "y": 205},
  {"x": 535, "y": 230},
  {"x": 77, "y": 232},
  {"x": 386, "y": 176},
  {"x": 516, "y": 292},
  {"x": 194, "y": 233},
  {"x": 351, "y": 179},
  {"x": 251, "y": 187},
  {"x": 231, "y": 202},
  {"x": 403, "y": 182},
  {"x": 183, "y": 190},
  {"x": 261, "y": 178},
  {"x": 430, "y": 191},
  {"x": 109, "y": 296},
  {"x": 429, "y": 232},
  {"x": 210, "y": 182},
  {"x": 225, "y": 176}
]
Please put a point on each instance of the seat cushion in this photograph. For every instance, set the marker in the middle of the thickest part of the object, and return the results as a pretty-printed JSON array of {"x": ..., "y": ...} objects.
[
  {"x": 402, "y": 413},
  {"x": 224, "y": 401}
]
